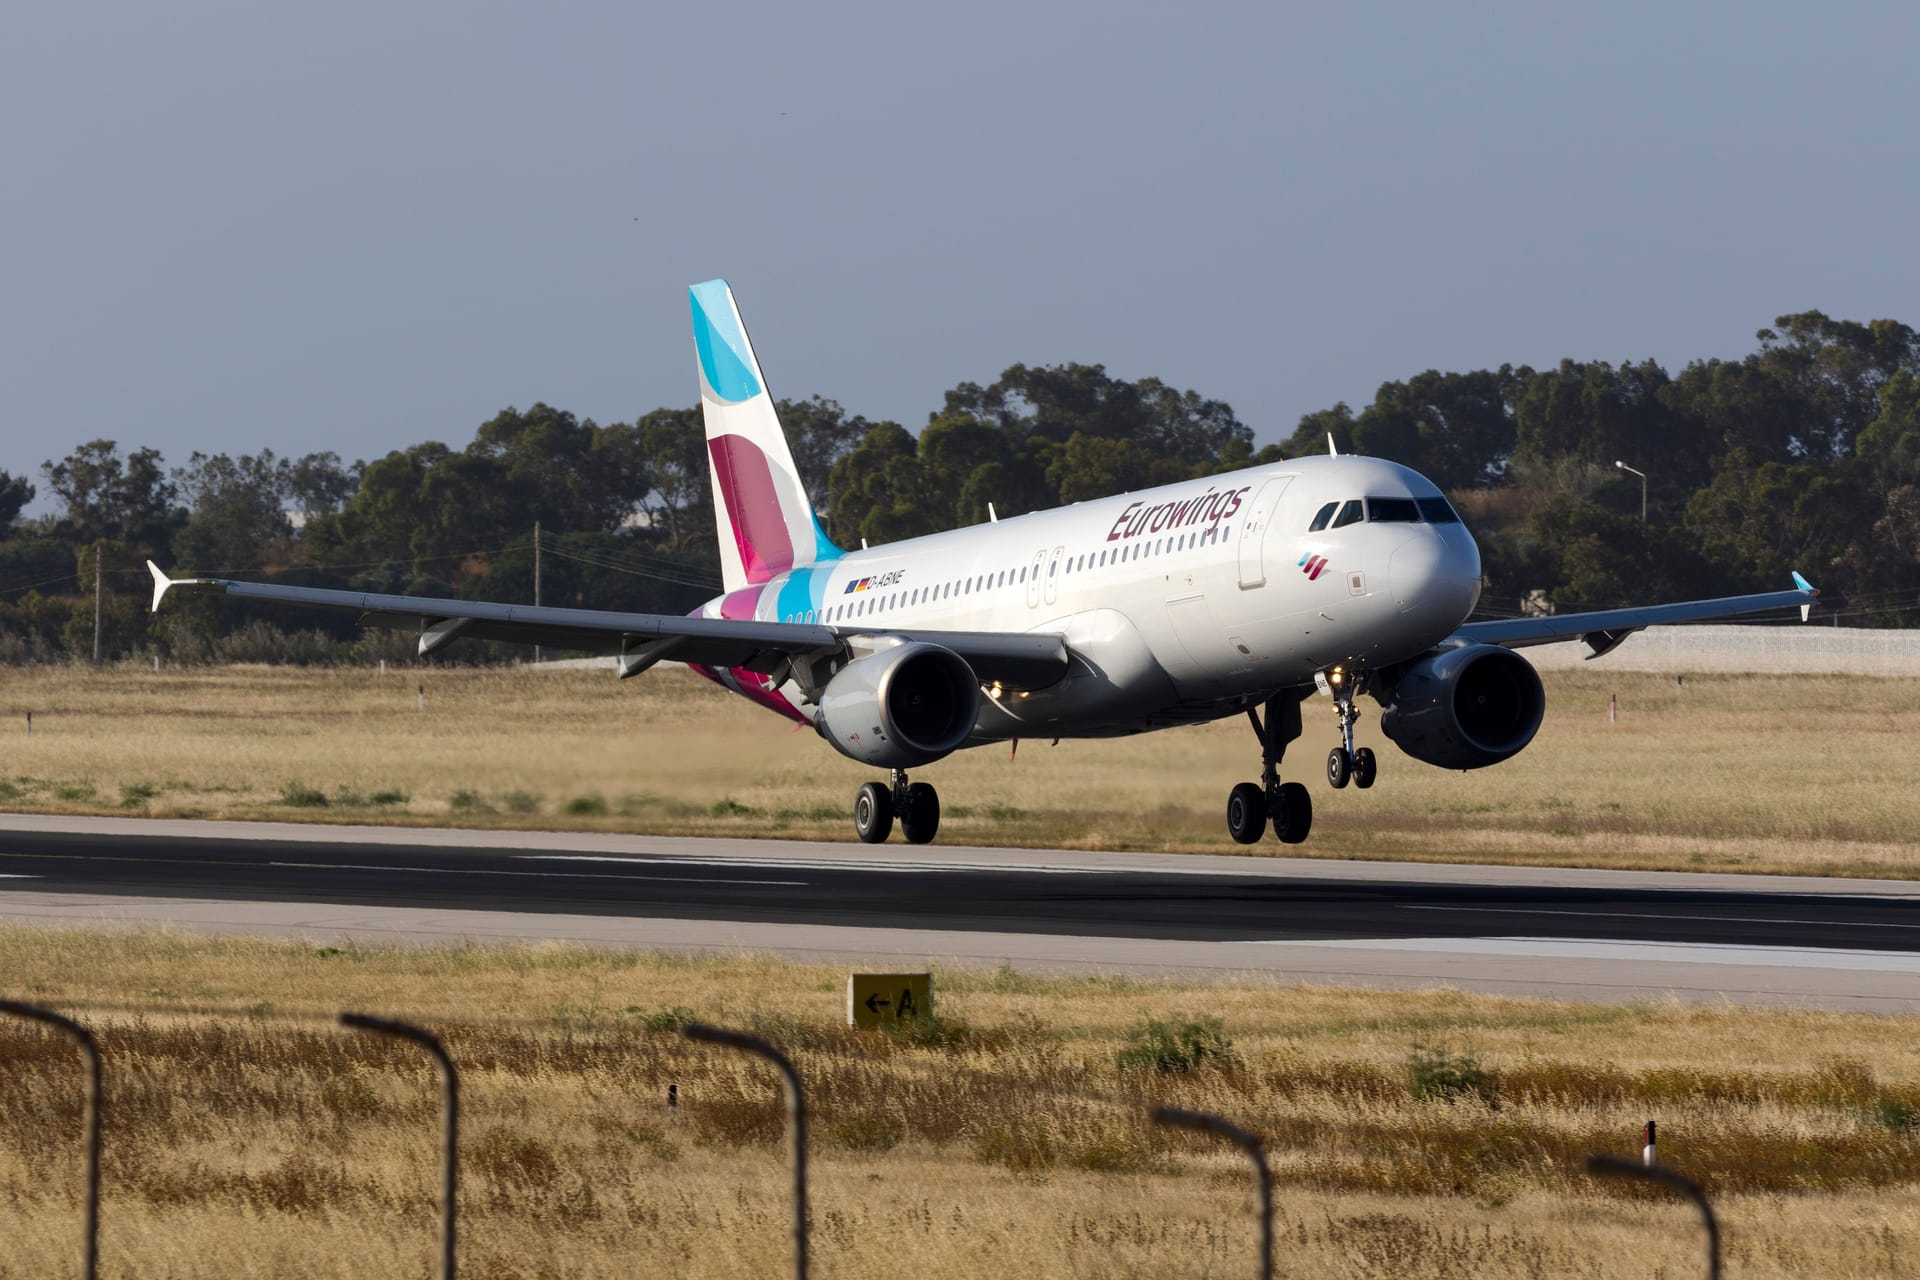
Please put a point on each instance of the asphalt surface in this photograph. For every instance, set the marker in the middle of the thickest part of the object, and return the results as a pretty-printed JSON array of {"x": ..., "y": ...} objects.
[{"x": 921, "y": 889}]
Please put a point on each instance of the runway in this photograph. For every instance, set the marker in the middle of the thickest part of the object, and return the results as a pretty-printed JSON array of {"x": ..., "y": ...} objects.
[{"x": 1605, "y": 935}]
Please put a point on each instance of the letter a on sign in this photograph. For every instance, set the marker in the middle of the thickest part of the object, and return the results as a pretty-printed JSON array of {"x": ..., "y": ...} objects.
[{"x": 877, "y": 999}]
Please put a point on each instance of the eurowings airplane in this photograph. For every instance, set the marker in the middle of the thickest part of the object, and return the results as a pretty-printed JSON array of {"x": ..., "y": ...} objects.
[{"x": 1244, "y": 593}]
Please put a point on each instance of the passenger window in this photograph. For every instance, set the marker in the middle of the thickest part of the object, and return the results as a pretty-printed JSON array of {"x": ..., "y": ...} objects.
[
  {"x": 1392, "y": 511},
  {"x": 1351, "y": 513},
  {"x": 1438, "y": 511},
  {"x": 1321, "y": 517}
]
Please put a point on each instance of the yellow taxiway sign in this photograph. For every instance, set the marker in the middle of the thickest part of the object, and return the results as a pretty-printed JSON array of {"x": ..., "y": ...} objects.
[{"x": 875, "y": 999}]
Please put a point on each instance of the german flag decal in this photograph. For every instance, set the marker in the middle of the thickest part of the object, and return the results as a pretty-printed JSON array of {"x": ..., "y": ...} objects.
[{"x": 1313, "y": 566}]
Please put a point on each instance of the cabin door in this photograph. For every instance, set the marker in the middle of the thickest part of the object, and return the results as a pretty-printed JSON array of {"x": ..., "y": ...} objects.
[
  {"x": 1255, "y": 519},
  {"x": 1052, "y": 584}
]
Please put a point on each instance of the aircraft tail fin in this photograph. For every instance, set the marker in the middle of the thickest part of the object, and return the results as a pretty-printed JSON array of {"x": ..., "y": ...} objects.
[{"x": 765, "y": 520}]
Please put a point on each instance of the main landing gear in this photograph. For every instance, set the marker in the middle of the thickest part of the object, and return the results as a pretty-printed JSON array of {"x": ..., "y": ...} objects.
[
  {"x": 1344, "y": 764},
  {"x": 1286, "y": 804},
  {"x": 916, "y": 804}
]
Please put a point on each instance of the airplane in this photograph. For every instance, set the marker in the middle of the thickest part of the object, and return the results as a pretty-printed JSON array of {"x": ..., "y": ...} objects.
[{"x": 1241, "y": 593}]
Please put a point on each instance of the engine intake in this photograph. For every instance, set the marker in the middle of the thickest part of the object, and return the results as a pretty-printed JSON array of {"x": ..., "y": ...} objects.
[
  {"x": 901, "y": 707},
  {"x": 1465, "y": 708}
]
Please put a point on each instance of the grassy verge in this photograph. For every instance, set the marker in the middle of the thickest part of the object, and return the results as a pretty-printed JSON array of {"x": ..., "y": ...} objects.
[
  {"x": 1742, "y": 773},
  {"x": 1413, "y": 1133}
]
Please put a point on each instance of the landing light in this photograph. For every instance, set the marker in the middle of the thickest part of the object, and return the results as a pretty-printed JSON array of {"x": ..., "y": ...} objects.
[{"x": 1336, "y": 676}]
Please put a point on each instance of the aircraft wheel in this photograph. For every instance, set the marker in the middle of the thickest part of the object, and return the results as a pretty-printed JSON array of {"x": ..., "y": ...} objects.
[
  {"x": 1340, "y": 767},
  {"x": 1292, "y": 813},
  {"x": 1365, "y": 767},
  {"x": 1246, "y": 813},
  {"x": 921, "y": 818},
  {"x": 873, "y": 812}
]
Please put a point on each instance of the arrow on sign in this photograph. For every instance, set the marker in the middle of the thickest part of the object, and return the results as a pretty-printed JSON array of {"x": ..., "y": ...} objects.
[{"x": 875, "y": 1004}]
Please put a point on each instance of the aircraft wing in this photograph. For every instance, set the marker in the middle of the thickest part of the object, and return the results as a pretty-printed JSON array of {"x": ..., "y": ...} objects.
[
  {"x": 1603, "y": 630},
  {"x": 1020, "y": 660}
]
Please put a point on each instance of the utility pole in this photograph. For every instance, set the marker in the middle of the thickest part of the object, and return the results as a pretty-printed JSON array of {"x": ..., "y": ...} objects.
[
  {"x": 536, "y": 578},
  {"x": 99, "y": 545}
]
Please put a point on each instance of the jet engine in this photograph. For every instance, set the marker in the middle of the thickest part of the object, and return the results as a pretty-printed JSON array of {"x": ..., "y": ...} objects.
[
  {"x": 1465, "y": 708},
  {"x": 900, "y": 707}
]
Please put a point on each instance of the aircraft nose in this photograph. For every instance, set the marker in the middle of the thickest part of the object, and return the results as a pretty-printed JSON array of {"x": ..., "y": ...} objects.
[{"x": 1437, "y": 571}]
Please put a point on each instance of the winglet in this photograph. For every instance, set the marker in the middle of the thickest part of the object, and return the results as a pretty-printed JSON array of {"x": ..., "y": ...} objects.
[
  {"x": 1806, "y": 610},
  {"x": 160, "y": 584}
]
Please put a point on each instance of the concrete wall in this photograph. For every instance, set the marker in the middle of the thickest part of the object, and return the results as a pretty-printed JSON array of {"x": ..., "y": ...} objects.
[{"x": 1809, "y": 649}]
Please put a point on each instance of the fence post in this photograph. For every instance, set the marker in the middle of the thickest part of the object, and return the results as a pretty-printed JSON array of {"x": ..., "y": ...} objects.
[
  {"x": 796, "y": 1121},
  {"x": 449, "y": 1117},
  {"x": 1207, "y": 1123},
  {"x": 90, "y": 1123},
  {"x": 1661, "y": 1176}
]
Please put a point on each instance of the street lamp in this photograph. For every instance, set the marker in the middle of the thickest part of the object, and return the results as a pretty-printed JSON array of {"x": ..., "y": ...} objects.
[{"x": 1643, "y": 487}]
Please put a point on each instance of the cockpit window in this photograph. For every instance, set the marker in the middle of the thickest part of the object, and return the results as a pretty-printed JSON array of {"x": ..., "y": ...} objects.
[
  {"x": 1351, "y": 513},
  {"x": 1438, "y": 511},
  {"x": 1392, "y": 511},
  {"x": 1321, "y": 517}
]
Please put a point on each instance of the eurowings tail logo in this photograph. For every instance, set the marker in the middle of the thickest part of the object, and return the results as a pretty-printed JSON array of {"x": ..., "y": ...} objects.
[{"x": 1313, "y": 566}]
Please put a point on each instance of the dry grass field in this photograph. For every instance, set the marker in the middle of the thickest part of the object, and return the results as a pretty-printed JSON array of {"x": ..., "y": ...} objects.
[
  {"x": 1741, "y": 773},
  {"x": 1413, "y": 1134}
]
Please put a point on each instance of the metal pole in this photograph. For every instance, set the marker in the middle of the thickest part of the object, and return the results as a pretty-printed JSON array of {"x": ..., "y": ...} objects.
[
  {"x": 1643, "y": 487},
  {"x": 796, "y": 1117},
  {"x": 1208, "y": 1123},
  {"x": 1661, "y": 1176},
  {"x": 98, "y": 560},
  {"x": 449, "y": 1114},
  {"x": 90, "y": 1118},
  {"x": 536, "y": 578}
]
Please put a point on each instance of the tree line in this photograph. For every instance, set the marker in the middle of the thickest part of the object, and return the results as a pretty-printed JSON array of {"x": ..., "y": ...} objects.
[{"x": 1804, "y": 453}]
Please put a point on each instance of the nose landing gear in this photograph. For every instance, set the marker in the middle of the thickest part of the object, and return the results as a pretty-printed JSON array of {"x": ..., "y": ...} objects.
[
  {"x": 1286, "y": 804},
  {"x": 1345, "y": 764},
  {"x": 877, "y": 804}
]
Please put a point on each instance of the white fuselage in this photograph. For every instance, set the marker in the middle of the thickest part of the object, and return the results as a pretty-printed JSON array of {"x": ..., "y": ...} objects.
[{"x": 1179, "y": 604}]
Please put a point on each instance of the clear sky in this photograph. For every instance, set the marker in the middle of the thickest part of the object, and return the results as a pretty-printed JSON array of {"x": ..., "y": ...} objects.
[{"x": 356, "y": 225}]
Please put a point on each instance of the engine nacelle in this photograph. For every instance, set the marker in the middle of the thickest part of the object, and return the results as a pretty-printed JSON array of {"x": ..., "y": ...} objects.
[
  {"x": 901, "y": 707},
  {"x": 1465, "y": 708}
]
